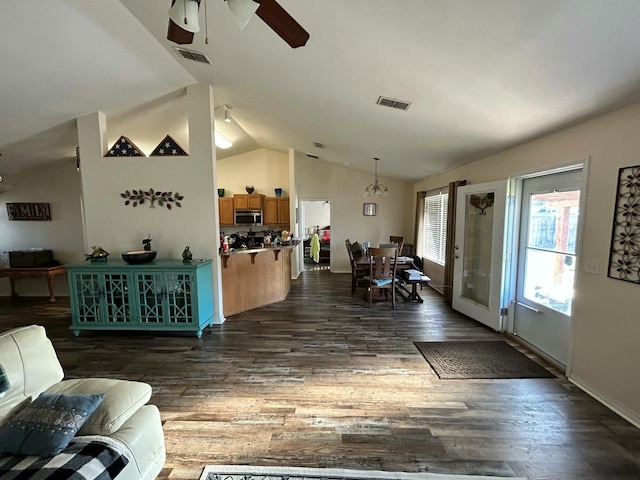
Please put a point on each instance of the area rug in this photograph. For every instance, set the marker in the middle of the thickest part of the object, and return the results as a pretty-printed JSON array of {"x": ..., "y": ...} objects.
[
  {"x": 241, "y": 472},
  {"x": 471, "y": 360}
]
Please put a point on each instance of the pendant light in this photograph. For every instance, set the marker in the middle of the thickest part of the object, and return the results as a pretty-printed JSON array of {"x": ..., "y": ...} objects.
[{"x": 376, "y": 189}]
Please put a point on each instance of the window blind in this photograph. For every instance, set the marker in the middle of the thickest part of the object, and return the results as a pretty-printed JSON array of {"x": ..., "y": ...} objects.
[{"x": 434, "y": 235}]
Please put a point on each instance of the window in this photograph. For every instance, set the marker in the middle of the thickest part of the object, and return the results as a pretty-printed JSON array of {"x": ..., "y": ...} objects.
[{"x": 435, "y": 226}]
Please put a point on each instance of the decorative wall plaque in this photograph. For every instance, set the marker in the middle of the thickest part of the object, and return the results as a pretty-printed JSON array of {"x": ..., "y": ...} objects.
[
  {"x": 29, "y": 211},
  {"x": 624, "y": 257},
  {"x": 151, "y": 197}
]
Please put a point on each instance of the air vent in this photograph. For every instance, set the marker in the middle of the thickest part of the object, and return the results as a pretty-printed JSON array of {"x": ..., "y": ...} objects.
[
  {"x": 311, "y": 155},
  {"x": 393, "y": 103},
  {"x": 191, "y": 55}
]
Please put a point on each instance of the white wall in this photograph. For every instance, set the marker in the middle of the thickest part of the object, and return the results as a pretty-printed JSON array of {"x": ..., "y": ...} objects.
[
  {"x": 59, "y": 185},
  {"x": 344, "y": 187},
  {"x": 606, "y": 325},
  {"x": 264, "y": 169},
  {"x": 118, "y": 228}
]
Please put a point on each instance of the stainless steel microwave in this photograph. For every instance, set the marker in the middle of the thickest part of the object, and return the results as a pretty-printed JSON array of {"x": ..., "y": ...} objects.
[{"x": 248, "y": 217}]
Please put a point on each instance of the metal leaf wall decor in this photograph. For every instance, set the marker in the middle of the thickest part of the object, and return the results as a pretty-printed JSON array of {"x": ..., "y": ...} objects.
[
  {"x": 624, "y": 257},
  {"x": 151, "y": 196},
  {"x": 482, "y": 203}
]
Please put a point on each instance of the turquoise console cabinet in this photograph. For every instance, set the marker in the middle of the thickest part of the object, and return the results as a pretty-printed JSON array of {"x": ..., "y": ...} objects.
[{"x": 161, "y": 295}]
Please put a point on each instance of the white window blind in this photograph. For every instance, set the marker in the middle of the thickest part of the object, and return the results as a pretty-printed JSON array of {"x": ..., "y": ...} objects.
[{"x": 435, "y": 226}]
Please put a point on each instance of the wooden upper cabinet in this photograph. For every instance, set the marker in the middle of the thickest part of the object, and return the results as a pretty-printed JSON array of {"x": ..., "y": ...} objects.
[
  {"x": 276, "y": 211},
  {"x": 225, "y": 207},
  {"x": 283, "y": 210},
  {"x": 245, "y": 201}
]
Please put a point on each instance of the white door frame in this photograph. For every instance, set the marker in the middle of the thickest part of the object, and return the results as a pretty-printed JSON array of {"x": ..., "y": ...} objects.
[{"x": 302, "y": 221}]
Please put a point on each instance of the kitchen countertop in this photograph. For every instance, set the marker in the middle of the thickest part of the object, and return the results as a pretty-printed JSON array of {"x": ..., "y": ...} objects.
[{"x": 293, "y": 244}]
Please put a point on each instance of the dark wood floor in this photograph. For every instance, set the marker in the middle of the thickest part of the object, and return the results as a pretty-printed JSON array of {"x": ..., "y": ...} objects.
[{"x": 320, "y": 380}]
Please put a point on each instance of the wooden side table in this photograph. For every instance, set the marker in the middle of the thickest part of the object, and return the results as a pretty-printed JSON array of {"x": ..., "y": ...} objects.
[{"x": 26, "y": 272}]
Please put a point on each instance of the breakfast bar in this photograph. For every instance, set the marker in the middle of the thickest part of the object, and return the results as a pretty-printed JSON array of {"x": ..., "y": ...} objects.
[{"x": 255, "y": 277}]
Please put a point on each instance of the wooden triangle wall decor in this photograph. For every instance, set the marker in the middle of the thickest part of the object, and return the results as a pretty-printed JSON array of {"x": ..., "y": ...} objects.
[
  {"x": 168, "y": 148},
  {"x": 124, "y": 148}
]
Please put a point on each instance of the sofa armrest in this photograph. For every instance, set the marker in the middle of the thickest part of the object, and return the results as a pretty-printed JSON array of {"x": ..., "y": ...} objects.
[
  {"x": 122, "y": 398},
  {"x": 143, "y": 436}
]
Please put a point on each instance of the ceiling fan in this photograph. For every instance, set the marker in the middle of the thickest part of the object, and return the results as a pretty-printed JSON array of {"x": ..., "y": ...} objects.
[{"x": 183, "y": 19}]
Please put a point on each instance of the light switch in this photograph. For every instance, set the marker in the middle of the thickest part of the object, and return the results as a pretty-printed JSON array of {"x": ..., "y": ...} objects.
[{"x": 591, "y": 265}]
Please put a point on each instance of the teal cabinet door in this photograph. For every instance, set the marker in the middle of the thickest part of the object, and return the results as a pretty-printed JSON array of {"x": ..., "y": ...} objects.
[
  {"x": 100, "y": 298},
  {"x": 165, "y": 299}
]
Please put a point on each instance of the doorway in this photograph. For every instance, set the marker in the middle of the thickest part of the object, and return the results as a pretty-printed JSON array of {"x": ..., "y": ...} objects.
[
  {"x": 479, "y": 256},
  {"x": 546, "y": 261},
  {"x": 315, "y": 218},
  {"x": 522, "y": 256}
]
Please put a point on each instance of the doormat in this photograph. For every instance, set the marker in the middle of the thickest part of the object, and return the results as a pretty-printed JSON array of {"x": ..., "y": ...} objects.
[
  {"x": 487, "y": 359},
  {"x": 246, "y": 472}
]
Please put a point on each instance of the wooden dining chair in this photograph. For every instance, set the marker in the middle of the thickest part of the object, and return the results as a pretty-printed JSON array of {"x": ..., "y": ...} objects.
[
  {"x": 358, "y": 272},
  {"x": 399, "y": 240},
  {"x": 382, "y": 273}
]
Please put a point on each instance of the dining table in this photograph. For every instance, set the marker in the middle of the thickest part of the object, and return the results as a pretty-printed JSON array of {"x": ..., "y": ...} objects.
[{"x": 402, "y": 264}]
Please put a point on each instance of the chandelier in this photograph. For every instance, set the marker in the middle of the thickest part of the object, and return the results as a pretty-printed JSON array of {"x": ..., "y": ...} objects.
[{"x": 376, "y": 189}]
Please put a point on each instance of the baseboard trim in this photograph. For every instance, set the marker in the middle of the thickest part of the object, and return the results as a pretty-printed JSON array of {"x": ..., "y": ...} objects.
[{"x": 629, "y": 415}]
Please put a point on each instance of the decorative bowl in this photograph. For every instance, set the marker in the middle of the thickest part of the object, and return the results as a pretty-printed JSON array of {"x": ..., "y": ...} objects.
[
  {"x": 249, "y": 189},
  {"x": 139, "y": 256}
]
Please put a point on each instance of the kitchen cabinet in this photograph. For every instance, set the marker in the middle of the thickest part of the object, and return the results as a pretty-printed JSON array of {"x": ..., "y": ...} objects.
[
  {"x": 225, "y": 211},
  {"x": 245, "y": 201},
  {"x": 276, "y": 211},
  {"x": 161, "y": 295}
]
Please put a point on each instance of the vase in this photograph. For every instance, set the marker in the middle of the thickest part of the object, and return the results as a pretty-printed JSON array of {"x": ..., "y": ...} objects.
[
  {"x": 278, "y": 192},
  {"x": 221, "y": 192}
]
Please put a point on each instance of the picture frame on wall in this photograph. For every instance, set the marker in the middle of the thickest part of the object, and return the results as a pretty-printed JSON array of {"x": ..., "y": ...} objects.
[{"x": 369, "y": 210}]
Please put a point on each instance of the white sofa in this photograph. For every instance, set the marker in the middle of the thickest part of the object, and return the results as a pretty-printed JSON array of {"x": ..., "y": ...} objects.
[{"x": 32, "y": 367}]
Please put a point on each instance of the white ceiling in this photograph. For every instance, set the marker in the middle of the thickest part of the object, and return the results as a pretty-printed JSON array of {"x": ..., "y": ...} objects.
[{"x": 483, "y": 75}]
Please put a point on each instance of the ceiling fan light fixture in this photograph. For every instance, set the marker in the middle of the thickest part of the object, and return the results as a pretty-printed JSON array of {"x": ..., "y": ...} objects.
[
  {"x": 184, "y": 13},
  {"x": 242, "y": 11},
  {"x": 376, "y": 189}
]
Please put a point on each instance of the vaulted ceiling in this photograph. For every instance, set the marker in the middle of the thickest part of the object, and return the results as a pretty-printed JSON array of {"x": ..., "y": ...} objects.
[{"x": 481, "y": 75}]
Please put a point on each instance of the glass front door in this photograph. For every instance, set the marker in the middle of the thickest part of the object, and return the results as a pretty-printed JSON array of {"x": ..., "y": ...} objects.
[{"x": 547, "y": 261}]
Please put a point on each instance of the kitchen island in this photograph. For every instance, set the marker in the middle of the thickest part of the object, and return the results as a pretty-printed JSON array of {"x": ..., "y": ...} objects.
[{"x": 255, "y": 277}]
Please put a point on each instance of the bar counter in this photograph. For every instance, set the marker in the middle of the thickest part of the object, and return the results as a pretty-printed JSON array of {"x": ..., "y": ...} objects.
[{"x": 255, "y": 277}]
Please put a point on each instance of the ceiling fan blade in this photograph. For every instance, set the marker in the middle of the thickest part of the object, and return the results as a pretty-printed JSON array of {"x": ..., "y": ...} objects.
[{"x": 282, "y": 23}]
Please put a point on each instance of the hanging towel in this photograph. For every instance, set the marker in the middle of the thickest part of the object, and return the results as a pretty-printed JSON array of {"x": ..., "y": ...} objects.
[{"x": 314, "y": 250}]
